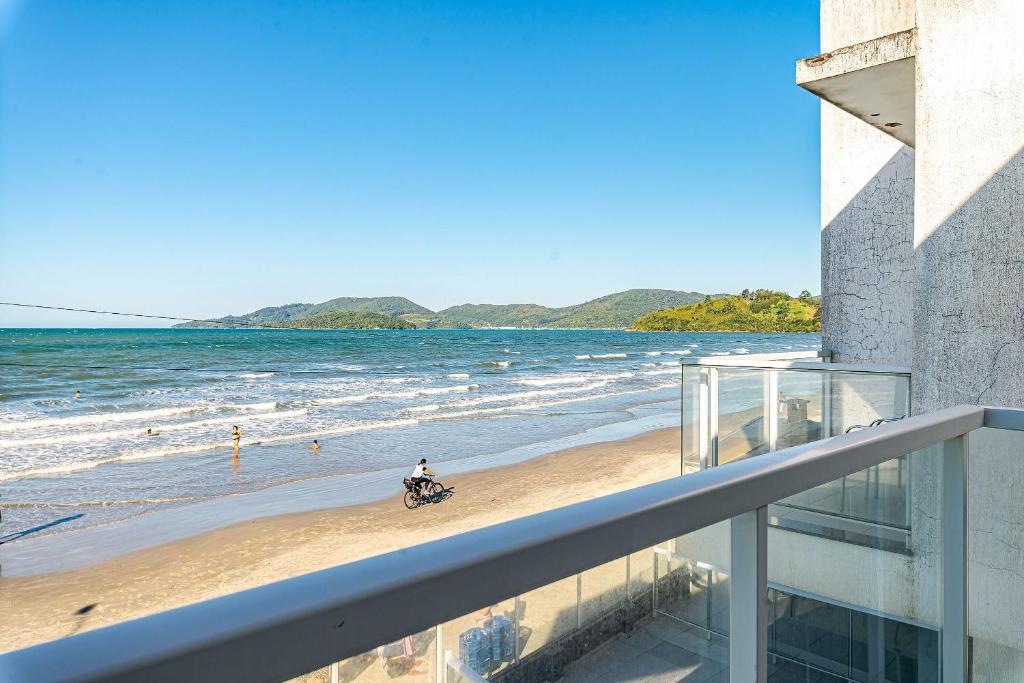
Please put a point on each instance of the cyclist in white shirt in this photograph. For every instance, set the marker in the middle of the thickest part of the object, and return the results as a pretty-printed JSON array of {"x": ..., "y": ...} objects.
[{"x": 421, "y": 475}]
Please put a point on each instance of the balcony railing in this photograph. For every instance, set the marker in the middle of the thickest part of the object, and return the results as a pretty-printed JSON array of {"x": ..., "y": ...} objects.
[
  {"x": 739, "y": 407},
  {"x": 290, "y": 628}
]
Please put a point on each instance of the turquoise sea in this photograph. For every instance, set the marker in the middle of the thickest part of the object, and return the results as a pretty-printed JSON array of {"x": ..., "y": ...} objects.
[{"x": 377, "y": 401}]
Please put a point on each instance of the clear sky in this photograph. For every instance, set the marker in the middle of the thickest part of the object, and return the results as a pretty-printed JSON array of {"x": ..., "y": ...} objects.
[{"x": 204, "y": 158}]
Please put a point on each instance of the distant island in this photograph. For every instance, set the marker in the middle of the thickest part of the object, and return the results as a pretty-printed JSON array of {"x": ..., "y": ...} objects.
[
  {"x": 761, "y": 310},
  {"x": 348, "y": 320},
  {"x": 615, "y": 311}
]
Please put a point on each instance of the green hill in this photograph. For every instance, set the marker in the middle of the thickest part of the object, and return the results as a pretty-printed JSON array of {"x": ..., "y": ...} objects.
[
  {"x": 384, "y": 305},
  {"x": 760, "y": 311},
  {"x": 614, "y": 311},
  {"x": 348, "y": 320}
]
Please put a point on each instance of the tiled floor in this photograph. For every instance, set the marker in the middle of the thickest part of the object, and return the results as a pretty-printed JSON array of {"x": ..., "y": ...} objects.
[{"x": 660, "y": 650}]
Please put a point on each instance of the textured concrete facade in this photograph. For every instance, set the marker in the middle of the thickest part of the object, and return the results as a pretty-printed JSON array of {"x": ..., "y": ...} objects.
[
  {"x": 969, "y": 216},
  {"x": 969, "y": 289},
  {"x": 847, "y": 22},
  {"x": 923, "y": 264},
  {"x": 867, "y": 209}
]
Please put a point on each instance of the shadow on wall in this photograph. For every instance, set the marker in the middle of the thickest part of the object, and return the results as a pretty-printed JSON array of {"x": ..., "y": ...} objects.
[
  {"x": 969, "y": 348},
  {"x": 969, "y": 300},
  {"x": 867, "y": 269}
]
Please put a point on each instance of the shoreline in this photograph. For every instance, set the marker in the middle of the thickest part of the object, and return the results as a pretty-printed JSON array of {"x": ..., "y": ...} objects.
[
  {"x": 66, "y": 550},
  {"x": 259, "y": 551}
]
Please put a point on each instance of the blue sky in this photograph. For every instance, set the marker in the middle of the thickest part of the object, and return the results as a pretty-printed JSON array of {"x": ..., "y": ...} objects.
[{"x": 198, "y": 158}]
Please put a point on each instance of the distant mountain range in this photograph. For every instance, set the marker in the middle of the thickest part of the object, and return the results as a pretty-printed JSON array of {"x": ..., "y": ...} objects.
[{"x": 615, "y": 311}]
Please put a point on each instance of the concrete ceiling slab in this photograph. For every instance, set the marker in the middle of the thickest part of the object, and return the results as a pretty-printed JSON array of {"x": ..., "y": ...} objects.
[{"x": 873, "y": 81}]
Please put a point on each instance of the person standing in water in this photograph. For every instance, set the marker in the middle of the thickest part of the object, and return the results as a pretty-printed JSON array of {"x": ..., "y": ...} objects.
[
  {"x": 236, "y": 435},
  {"x": 315, "y": 447},
  {"x": 78, "y": 394}
]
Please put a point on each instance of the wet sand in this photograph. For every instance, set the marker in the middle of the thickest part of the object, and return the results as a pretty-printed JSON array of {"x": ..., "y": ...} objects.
[{"x": 260, "y": 551}]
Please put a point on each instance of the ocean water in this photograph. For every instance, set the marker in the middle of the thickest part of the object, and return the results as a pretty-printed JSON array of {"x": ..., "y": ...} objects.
[{"x": 375, "y": 400}]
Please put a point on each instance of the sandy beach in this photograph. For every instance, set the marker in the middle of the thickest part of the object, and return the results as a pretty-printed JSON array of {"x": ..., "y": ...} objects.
[{"x": 49, "y": 606}]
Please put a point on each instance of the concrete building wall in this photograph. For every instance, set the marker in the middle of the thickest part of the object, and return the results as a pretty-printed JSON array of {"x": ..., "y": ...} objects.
[
  {"x": 969, "y": 285},
  {"x": 846, "y": 22},
  {"x": 867, "y": 204}
]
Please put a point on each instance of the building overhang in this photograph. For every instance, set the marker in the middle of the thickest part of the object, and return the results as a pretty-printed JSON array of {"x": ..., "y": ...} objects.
[{"x": 873, "y": 80}]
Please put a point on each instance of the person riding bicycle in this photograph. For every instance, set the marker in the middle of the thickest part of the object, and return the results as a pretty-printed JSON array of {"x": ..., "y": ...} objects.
[{"x": 421, "y": 476}]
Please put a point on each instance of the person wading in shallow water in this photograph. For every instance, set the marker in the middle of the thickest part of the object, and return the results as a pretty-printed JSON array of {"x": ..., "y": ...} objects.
[
  {"x": 315, "y": 447},
  {"x": 236, "y": 436}
]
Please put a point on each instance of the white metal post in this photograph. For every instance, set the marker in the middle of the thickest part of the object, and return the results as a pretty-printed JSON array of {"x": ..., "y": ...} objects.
[
  {"x": 826, "y": 405},
  {"x": 579, "y": 601},
  {"x": 703, "y": 410},
  {"x": 713, "y": 415},
  {"x": 954, "y": 559},
  {"x": 517, "y": 606},
  {"x": 748, "y": 600},
  {"x": 771, "y": 409},
  {"x": 334, "y": 672},
  {"x": 440, "y": 670}
]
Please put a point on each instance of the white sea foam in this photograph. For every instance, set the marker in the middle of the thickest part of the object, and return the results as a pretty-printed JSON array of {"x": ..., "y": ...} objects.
[
  {"x": 521, "y": 407},
  {"x": 521, "y": 395},
  {"x": 98, "y": 418},
  {"x": 548, "y": 381},
  {"x": 458, "y": 375},
  {"x": 684, "y": 352},
  {"x": 600, "y": 356},
  {"x": 741, "y": 350},
  {"x": 89, "y": 437},
  {"x": 256, "y": 375},
  {"x": 653, "y": 353},
  {"x": 576, "y": 378},
  {"x": 395, "y": 395},
  {"x": 338, "y": 400},
  {"x": 67, "y": 468},
  {"x": 671, "y": 371},
  {"x": 719, "y": 353},
  {"x": 268, "y": 405}
]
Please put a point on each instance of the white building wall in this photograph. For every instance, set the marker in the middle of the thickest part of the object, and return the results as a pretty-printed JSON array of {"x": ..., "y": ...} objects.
[
  {"x": 867, "y": 205},
  {"x": 969, "y": 286}
]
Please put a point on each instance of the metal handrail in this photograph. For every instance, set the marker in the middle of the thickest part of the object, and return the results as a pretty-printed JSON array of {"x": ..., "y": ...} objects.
[
  {"x": 291, "y": 627},
  {"x": 774, "y": 362}
]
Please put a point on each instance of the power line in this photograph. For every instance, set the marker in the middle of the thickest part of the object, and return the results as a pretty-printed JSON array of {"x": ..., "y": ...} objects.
[
  {"x": 157, "y": 368},
  {"x": 148, "y": 315}
]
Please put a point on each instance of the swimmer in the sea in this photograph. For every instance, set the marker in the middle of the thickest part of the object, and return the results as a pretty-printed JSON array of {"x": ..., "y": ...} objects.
[
  {"x": 78, "y": 394},
  {"x": 315, "y": 447},
  {"x": 150, "y": 432}
]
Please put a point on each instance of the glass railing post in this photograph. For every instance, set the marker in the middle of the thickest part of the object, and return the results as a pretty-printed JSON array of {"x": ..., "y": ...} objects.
[
  {"x": 771, "y": 409},
  {"x": 748, "y": 602},
  {"x": 440, "y": 668},
  {"x": 826, "y": 405},
  {"x": 954, "y": 559},
  {"x": 517, "y": 607},
  {"x": 579, "y": 601},
  {"x": 707, "y": 416}
]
